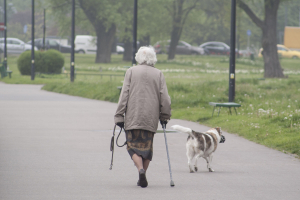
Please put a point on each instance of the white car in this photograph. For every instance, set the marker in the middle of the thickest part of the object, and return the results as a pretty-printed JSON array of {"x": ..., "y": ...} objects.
[
  {"x": 86, "y": 44},
  {"x": 15, "y": 46},
  {"x": 119, "y": 49}
]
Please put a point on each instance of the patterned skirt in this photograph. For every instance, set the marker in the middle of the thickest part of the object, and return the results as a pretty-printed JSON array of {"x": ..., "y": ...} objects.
[{"x": 140, "y": 142}]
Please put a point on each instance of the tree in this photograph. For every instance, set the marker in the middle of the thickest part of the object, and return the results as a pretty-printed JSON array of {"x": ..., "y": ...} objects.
[
  {"x": 272, "y": 65},
  {"x": 179, "y": 10},
  {"x": 154, "y": 23},
  {"x": 124, "y": 33},
  {"x": 59, "y": 19},
  {"x": 150, "y": 24},
  {"x": 208, "y": 22},
  {"x": 103, "y": 15},
  {"x": 127, "y": 40}
]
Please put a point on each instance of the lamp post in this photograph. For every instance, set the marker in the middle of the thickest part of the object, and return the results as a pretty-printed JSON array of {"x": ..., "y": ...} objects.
[
  {"x": 5, "y": 36},
  {"x": 72, "y": 42},
  {"x": 44, "y": 30},
  {"x": 134, "y": 49},
  {"x": 32, "y": 41},
  {"x": 232, "y": 53}
]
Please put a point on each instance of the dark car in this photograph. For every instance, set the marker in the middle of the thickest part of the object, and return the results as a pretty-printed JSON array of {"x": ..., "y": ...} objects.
[
  {"x": 215, "y": 48},
  {"x": 51, "y": 44},
  {"x": 181, "y": 48}
]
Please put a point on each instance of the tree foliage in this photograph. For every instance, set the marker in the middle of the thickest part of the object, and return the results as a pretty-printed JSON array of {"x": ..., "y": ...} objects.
[
  {"x": 207, "y": 21},
  {"x": 268, "y": 25},
  {"x": 179, "y": 11}
]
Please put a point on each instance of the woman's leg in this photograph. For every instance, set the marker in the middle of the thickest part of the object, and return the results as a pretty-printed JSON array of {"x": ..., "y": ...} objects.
[
  {"x": 138, "y": 161},
  {"x": 146, "y": 163}
]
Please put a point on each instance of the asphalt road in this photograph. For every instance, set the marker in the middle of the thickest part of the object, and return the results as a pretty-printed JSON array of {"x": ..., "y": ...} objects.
[{"x": 55, "y": 146}]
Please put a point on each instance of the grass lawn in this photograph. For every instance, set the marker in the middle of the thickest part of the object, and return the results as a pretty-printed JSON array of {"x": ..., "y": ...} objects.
[{"x": 270, "y": 112}]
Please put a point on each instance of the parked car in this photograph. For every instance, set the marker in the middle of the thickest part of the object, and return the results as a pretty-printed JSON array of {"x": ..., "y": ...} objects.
[
  {"x": 51, "y": 44},
  {"x": 88, "y": 44},
  {"x": 14, "y": 46},
  {"x": 182, "y": 48},
  {"x": 215, "y": 48},
  {"x": 245, "y": 52},
  {"x": 119, "y": 49},
  {"x": 283, "y": 52}
]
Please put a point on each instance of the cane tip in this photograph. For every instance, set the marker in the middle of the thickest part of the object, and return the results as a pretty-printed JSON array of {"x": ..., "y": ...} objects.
[{"x": 172, "y": 184}]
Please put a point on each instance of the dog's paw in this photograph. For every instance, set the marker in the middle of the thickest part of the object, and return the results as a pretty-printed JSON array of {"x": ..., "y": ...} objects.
[
  {"x": 196, "y": 168},
  {"x": 211, "y": 170}
]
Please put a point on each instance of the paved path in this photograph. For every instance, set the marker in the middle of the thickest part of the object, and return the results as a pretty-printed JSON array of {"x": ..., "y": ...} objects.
[{"x": 55, "y": 146}]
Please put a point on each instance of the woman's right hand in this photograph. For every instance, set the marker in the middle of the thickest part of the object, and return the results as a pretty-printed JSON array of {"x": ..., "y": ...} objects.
[
  {"x": 120, "y": 124},
  {"x": 164, "y": 122}
]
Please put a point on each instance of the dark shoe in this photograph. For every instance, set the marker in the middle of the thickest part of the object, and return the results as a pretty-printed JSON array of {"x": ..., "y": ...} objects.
[{"x": 143, "y": 181}]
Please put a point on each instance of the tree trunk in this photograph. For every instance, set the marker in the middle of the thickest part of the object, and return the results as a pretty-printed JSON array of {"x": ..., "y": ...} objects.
[
  {"x": 175, "y": 36},
  {"x": 127, "y": 56},
  {"x": 179, "y": 16},
  {"x": 272, "y": 65},
  {"x": 176, "y": 28},
  {"x": 105, "y": 34},
  {"x": 104, "y": 43}
]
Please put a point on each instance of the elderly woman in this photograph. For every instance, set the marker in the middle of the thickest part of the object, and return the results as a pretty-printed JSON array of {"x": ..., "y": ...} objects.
[{"x": 144, "y": 100}]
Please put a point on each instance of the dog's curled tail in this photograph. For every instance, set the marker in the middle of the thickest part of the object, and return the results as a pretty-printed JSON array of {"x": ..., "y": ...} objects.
[{"x": 183, "y": 129}]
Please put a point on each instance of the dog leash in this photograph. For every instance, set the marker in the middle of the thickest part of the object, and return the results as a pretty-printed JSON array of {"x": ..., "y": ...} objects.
[{"x": 112, "y": 145}]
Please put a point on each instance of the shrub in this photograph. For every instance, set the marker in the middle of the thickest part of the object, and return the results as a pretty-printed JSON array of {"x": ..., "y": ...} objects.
[
  {"x": 54, "y": 61},
  {"x": 24, "y": 62},
  {"x": 50, "y": 61}
]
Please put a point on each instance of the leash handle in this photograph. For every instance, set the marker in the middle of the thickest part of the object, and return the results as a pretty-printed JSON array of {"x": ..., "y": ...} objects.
[
  {"x": 112, "y": 145},
  {"x": 118, "y": 138},
  {"x": 112, "y": 151}
]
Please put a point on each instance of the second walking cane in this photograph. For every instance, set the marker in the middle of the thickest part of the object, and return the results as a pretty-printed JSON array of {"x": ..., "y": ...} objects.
[{"x": 171, "y": 182}]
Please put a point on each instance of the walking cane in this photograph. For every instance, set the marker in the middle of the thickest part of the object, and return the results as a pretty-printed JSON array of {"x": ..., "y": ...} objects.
[{"x": 164, "y": 128}]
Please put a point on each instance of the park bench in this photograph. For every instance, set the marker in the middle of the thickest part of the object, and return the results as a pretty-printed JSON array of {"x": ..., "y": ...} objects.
[
  {"x": 9, "y": 73},
  {"x": 4, "y": 72},
  {"x": 228, "y": 105}
]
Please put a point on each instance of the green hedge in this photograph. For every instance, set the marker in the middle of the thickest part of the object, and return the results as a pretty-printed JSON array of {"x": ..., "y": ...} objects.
[{"x": 50, "y": 61}]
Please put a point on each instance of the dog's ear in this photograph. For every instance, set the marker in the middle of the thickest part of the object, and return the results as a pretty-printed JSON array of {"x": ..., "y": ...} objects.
[{"x": 219, "y": 130}]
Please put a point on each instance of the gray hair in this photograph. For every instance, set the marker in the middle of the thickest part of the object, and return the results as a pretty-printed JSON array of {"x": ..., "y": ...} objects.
[{"x": 146, "y": 55}]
